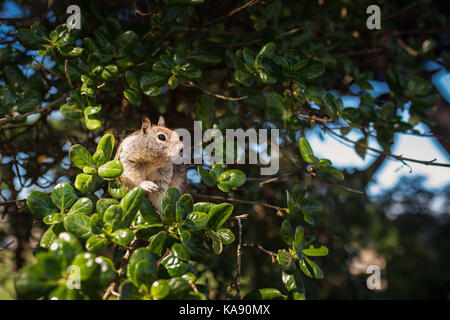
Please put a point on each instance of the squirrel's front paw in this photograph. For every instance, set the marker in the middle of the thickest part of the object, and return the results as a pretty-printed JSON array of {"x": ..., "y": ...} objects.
[{"x": 149, "y": 186}]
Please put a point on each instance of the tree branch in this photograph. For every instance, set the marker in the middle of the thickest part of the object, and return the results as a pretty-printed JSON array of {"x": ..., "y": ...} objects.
[{"x": 40, "y": 110}]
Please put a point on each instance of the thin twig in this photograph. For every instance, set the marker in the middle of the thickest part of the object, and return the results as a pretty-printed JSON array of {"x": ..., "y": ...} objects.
[
  {"x": 66, "y": 62},
  {"x": 258, "y": 246},
  {"x": 40, "y": 110},
  {"x": 56, "y": 74},
  {"x": 239, "y": 200},
  {"x": 275, "y": 179},
  {"x": 401, "y": 158},
  {"x": 403, "y": 10},
  {"x": 239, "y": 254},
  {"x": 231, "y": 13},
  {"x": 217, "y": 95}
]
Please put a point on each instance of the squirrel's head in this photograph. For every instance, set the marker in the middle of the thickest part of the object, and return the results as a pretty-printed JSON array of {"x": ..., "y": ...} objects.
[{"x": 161, "y": 141}]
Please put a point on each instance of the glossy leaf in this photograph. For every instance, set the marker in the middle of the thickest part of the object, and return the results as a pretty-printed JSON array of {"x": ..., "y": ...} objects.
[
  {"x": 219, "y": 214},
  {"x": 63, "y": 196}
]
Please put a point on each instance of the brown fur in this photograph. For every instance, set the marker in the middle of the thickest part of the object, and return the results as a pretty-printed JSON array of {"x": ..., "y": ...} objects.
[{"x": 147, "y": 161}]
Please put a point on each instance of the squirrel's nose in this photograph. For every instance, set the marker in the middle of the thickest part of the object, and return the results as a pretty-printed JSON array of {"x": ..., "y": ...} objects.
[{"x": 181, "y": 152}]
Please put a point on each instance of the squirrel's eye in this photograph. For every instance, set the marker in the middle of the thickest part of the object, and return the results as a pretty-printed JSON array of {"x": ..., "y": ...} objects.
[
  {"x": 161, "y": 137},
  {"x": 181, "y": 138}
]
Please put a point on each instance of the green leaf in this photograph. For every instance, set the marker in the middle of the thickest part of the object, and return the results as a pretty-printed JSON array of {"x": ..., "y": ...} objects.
[
  {"x": 219, "y": 214},
  {"x": 173, "y": 81},
  {"x": 171, "y": 197},
  {"x": 149, "y": 213},
  {"x": 287, "y": 233},
  {"x": 179, "y": 251},
  {"x": 132, "y": 78},
  {"x": 96, "y": 224},
  {"x": 29, "y": 101},
  {"x": 71, "y": 112},
  {"x": 311, "y": 72},
  {"x": 294, "y": 284},
  {"x": 203, "y": 206},
  {"x": 127, "y": 40},
  {"x": 306, "y": 151},
  {"x": 76, "y": 98},
  {"x": 50, "y": 235},
  {"x": 128, "y": 291},
  {"x": 157, "y": 242},
  {"x": 78, "y": 224},
  {"x": 286, "y": 261},
  {"x": 99, "y": 159},
  {"x": 310, "y": 269},
  {"x": 28, "y": 39},
  {"x": 122, "y": 237},
  {"x": 331, "y": 106},
  {"x": 62, "y": 292},
  {"x": 231, "y": 179},
  {"x": 96, "y": 243},
  {"x": 196, "y": 220},
  {"x": 109, "y": 72},
  {"x": 183, "y": 207},
  {"x": 133, "y": 96},
  {"x": 106, "y": 144},
  {"x": 111, "y": 170},
  {"x": 112, "y": 218},
  {"x": 86, "y": 262},
  {"x": 298, "y": 238},
  {"x": 151, "y": 80},
  {"x": 141, "y": 254},
  {"x": 178, "y": 287},
  {"x": 243, "y": 77},
  {"x": 54, "y": 218},
  {"x": 30, "y": 284},
  {"x": 226, "y": 235},
  {"x": 268, "y": 50},
  {"x": 160, "y": 289},
  {"x": 361, "y": 147},
  {"x": 71, "y": 52},
  {"x": 206, "y": 177},
  {"x": 265, "y": 294},
  {"x": 85, "y": 183},
  {"x": 103, "y": 204},
  {"x": 130, "y": 205},
  {"x": 81, "y": 157},
  {"x": 92, "y": 121},
  {"x": 40, "y": 204},
  {"x": 116, "y": 190},
  {"x": 174, "y": 266},
  {"x": 334, "y": 172},
  {"x": 310, "y": 206},
  {"x": 217, "y": 244},
  {"x": 65, "y": 247},
  {"x": 169, "y": 217},
  {"x": 7, "y": 99},
  {"x": 14, "y": 77},
  {"x": 63, "y": 196},
  {"x": 316, "y": 251}
]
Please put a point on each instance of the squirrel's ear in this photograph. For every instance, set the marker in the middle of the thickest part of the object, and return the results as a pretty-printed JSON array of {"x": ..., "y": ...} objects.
[
  {"x": 145, "y": 125},
  {"x": 161, "y": 121}
]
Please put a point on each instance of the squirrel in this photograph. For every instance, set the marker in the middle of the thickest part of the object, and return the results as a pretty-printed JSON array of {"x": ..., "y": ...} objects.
[{"x": 147, "y": 157}]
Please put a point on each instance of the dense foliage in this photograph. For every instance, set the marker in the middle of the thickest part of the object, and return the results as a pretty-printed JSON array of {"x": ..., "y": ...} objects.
[{"x": 67, "y": 95}]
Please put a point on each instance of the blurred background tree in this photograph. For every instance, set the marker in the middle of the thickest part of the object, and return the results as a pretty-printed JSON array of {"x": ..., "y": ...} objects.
[{"x": 322, "y": 50}]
